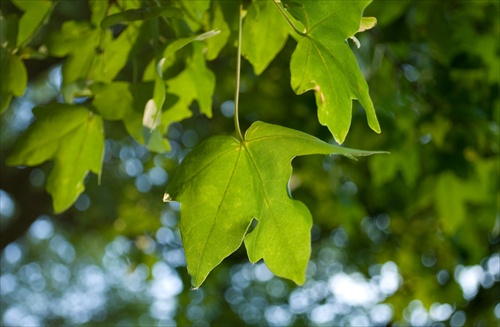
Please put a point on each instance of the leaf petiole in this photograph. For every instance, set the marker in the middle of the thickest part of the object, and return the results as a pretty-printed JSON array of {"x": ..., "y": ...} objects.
[
  {"x": 283, "y": 13},
  {"x": 238, "y": 74}
]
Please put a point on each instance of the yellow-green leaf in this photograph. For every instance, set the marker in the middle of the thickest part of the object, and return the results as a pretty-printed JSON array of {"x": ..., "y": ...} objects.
[
  {"x": 133, "y": 15},
  {"x": 13, "y": 78},
  {"x": 367, "y": 23},
  {"x": 215, "y": 21},
  {"x": 224, "y": 183},
  {"x": 323, "y": 62},
  {"x": 73, "y": 138},
  {"x": 34, "y": 14},
  {"x": 264, "y": 34}
]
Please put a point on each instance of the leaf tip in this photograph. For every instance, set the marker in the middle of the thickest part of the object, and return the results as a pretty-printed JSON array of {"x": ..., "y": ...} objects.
[
  {"x": 375, "y": 126},
  {"x": 339, "y": 137},
  {"x": 367, "y": 23}
]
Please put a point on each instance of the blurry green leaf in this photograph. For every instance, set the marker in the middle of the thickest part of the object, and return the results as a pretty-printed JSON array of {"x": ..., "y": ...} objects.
[
  {"x": 383, "y": 169},
  {"x": 13, "y": 78},
  {"x": 450, "y": 198},
  {"x": 71, "y": 37},
  {"x": 387, "y": 14},
  {"x": 99, "y": 11},
  {"x": 183, "y": 91},
  {"x": 452, "y": 194},
  {"x": 410, "y": 165},
  {"x": 438, "y": 129},
  {"x": 92, "y": 53},
  {"x": 155, "y": 140},
  {"x": 8, "y": 31},
  {"x": 132, "y": 15},
  {"x": 152, "y": 132},
  {"x": 77, "y": 89},
  {"x": 114, "y": 54},
  {"x": 73, "y": 138},
  {"x": 196, "y": 82},
  {"x": 152, "y": 111},
  {"x": 482, "y": 188},
  {"x": 215, "y": 21},
  {"x": 194, "y": 12},
  {"x": 134, "y": 122},
  {"x": 323, "y": 62},
  {"x": 30, "y": 53},
  {"x": 127, "y": 222},
  {"x": 264, "y": 34},
  {"x": 487, "y": 48},
  {"x": 178, "y": 44},
  {"x": 34, "y": 14},
  {"x": 127, "y": 102},
  {"x": 113, "y": 101},
  {"x": 79, "y": 42},
  {"x": 224, "y": 184}
]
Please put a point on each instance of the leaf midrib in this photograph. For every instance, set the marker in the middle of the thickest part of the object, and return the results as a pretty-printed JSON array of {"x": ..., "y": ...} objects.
[
  {"x": 217, "y": 212},
  {"x": 268, "y": 206}
]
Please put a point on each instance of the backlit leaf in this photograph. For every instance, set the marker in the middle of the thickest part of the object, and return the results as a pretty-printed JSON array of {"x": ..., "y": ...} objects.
[
  {"x": 194, "y": 12},
  {"x": 367, "y": 23},
  {"x": 113, "y": 101},
  {"x": 34, "y": 14},
  {"x": 323, "y": 62},
  {"x": 13, "y": 78},
  {"x": 171, "y": 99},
  {"x": 216, "y": 21},
  {"x": 264, "y": 34},
  {"x": 224, "y": 183},
  {"x": 196, "y": 82},
  {"x": 133, "y": 15},
  {"x": 92, "y": 53},
  {"x": 73, "y": 138},
  {"x": 8, "y": 31},
  {"x": 127, "y": 102}
]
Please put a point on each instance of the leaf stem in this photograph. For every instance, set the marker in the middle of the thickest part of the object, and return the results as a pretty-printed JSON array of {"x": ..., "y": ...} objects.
[
  {"x": 283, "y": 13},
  {"x": 238, "y": 75}
]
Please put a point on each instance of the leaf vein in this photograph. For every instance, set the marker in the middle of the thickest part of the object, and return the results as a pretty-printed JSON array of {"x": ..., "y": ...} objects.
[
  {"x": 217, "y": 212},
  {"x": 268, "y": 205}
]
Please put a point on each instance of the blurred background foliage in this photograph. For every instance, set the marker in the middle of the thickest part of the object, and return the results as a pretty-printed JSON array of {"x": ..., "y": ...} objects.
[{"x": 410, "y": 238}]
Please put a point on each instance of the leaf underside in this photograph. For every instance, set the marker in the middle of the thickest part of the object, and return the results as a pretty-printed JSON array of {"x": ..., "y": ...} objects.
[{"x": 224, "y": 183}]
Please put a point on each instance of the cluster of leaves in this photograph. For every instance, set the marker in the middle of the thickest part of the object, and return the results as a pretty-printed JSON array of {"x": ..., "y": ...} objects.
[
  {"x": 431, "y": 207},
  {"x": 145, "y": 64},
  {"x": 437, "y": 91}
]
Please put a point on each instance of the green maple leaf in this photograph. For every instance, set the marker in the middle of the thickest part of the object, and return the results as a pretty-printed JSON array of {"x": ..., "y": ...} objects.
[
  {"x": 34, "y": 14},
  {"x": 260, "y": 45},
  {"x": 224, "y": 183},
  {"x": 323, "y": 62},
  {"x": 215, "y": 20},
  {"x": 172, "y": 98},
  {"x": 196, "y": 82},
  {"x": 13, "y": 78},
  {"x": 73, "y": 138},
  {"x": 92, "y": 53}
]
